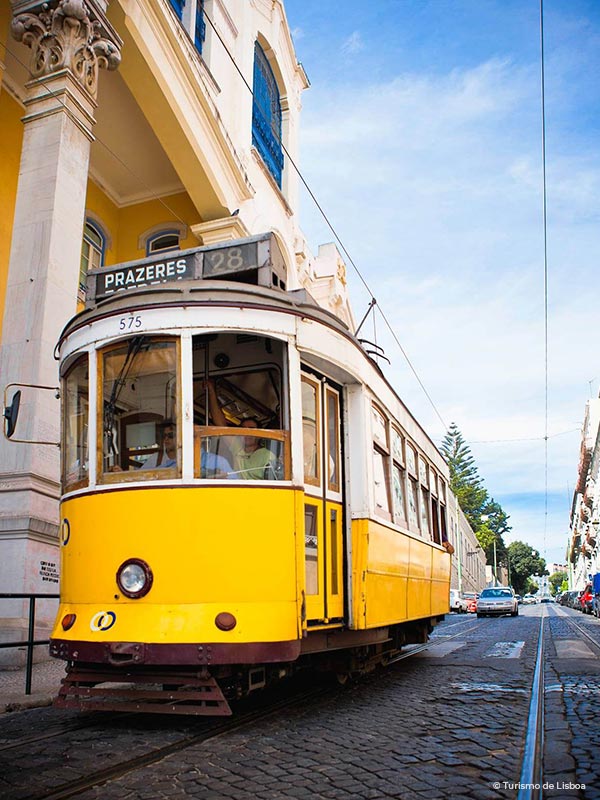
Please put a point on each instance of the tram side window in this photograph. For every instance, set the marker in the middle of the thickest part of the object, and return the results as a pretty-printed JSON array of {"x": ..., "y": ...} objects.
[
  {"x": 413, "y": 519},
  {"x": 74, "y": 446},
  {"x": 140, "y": 407},
  {"x": 398, "y": 478},
  {"x": 381, "y": 465}
]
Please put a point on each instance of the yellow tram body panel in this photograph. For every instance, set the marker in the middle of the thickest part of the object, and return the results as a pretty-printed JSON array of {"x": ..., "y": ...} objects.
[
  {"x": 396, "y": 577},
  {"x": 210, "y": 549}
]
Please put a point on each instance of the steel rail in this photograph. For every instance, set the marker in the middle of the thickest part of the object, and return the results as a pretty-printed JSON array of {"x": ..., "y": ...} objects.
[
  {"x": 420, "y": 647},
  {"x": 567, "y": 617},
  {"x": 530, "y": 781}
]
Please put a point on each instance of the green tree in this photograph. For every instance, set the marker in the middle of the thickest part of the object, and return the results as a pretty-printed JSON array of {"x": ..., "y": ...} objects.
[
  {"x": 485, "y": 515},
  {"x": 556, "y": 581},
  {"x": 496, "y": 521},
  {"x": 465, "y": 481},
  {"x": 524, "y": 562}
]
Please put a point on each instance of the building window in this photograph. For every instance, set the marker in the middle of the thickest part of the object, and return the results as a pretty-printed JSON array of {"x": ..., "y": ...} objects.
[
  {"x": 191, "y": 15},
  {"x": 199, "y": 26},
  {"x": 92, "y": 255},
  {"x": 177, "y": 7},
  {"x": 161, "y": 242},
  {"x": 266, "y": 115}
]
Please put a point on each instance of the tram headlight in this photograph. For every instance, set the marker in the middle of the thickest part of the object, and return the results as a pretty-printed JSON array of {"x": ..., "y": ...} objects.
[{"x": 134, "y": 578}]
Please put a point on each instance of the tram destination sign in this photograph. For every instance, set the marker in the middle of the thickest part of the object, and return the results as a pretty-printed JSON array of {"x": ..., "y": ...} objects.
[
  {"x": 256, "y": 260},
  {"x": 149, "y": 273}
]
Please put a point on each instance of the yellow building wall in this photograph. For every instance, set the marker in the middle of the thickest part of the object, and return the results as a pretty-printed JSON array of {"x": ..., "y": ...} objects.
[
  {"x": 125, "y": 225},
  {"x": 11, "y": 140}
]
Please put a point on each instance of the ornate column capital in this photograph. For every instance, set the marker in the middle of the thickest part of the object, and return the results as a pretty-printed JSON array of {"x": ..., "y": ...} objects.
[{"x": 67, "y": 34}]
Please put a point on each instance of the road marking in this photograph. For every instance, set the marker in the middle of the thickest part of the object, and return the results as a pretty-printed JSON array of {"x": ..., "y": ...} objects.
[
  {"x": 505, "y": 650},
  {"x": 573, "y": 688},
  {"x": 486, "y": 687},
  {"x": 572, "y": 648},
  {"x": 440, "y": 649}
]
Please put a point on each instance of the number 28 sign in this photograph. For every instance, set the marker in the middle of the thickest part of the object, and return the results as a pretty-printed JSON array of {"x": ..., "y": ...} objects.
[{"x": 229, "y": 259}]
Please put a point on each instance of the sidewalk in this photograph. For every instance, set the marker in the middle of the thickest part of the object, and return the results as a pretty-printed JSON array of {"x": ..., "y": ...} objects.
[{"x": 45, "y": 683}]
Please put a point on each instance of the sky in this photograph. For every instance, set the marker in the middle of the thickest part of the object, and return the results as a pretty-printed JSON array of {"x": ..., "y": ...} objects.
[{"x": 421, "y": 137}]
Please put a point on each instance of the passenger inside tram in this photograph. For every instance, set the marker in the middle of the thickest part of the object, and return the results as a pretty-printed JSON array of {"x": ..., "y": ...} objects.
[
  {"x": 167, "y": 454},
  {"x": 250, "y": 458}
]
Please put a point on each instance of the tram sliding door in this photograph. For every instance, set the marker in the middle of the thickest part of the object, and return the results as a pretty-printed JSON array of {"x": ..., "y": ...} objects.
[{"x": 323, "y": 508}]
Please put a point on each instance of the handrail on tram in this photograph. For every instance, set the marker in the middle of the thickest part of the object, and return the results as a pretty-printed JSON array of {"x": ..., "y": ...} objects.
[{"x": 30, "y": 642}]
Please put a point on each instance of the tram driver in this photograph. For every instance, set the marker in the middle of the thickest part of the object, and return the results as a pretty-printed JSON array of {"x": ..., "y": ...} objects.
[{"x": 251, "y": 459}]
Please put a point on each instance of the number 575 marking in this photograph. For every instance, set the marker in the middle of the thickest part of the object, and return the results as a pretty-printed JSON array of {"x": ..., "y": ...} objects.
[{"x": 130, "y": 323}]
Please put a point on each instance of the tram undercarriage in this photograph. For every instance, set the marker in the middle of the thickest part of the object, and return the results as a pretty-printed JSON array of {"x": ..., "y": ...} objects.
[{"x": 125, "y": 684}]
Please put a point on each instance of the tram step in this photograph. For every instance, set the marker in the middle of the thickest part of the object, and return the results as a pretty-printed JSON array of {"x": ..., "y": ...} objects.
[{"x": 91, "y": 690}]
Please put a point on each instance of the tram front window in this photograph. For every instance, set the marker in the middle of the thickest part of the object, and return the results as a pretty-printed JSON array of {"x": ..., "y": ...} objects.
[
  {"x": 240, "y": 407},
  {"x": 140, "y": 390}
]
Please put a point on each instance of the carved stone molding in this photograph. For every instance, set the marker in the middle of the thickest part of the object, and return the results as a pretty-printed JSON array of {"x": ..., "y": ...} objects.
[{"x": 68, "y": 34}]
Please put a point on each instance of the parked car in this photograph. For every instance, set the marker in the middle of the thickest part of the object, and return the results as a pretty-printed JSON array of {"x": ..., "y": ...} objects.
[
  {"x": 458, "y": 602},
  {"x": 497, "y": 601},
  {"x": 585, "y": 599},
  {"x": 471, "y": 599}
]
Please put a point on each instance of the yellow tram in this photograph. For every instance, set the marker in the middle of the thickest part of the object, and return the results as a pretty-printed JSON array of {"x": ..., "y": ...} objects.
[{"x": 243, "y": 492}]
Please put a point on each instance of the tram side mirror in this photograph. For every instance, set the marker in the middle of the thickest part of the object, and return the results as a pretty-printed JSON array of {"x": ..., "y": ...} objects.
[
  {"x": 11, "y": 414},
  {"x": 11, "y": 411}
]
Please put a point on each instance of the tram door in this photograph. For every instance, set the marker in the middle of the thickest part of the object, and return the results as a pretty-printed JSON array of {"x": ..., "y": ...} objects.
[{"x": 321, "y": 428}]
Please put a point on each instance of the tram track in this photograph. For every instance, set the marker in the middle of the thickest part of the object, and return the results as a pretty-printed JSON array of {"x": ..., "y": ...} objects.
[
  {"x": 204, "y": 731},
  {"x": 152, "y": 748},
  {"x": 209, "y": 730},
  {"x": 532, "y": 777}
]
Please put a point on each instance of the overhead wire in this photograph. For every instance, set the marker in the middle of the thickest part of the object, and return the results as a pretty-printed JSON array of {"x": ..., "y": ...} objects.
[
  {"x": 545, "y": 228},
  {"x": 374, "y": 305},
  {"x": 312, "y": 195}
]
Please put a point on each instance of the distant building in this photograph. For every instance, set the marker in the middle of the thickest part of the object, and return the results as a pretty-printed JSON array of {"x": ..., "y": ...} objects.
[
  {"x": 468, "y": 563},
  {"x": 583, "y": 557}
]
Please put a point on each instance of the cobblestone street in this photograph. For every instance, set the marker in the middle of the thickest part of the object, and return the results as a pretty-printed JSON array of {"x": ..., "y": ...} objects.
[{"x": 446, "y": 723}]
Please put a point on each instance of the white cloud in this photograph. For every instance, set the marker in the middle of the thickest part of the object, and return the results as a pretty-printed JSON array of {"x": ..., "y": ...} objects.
[
  {"x": 433, "y": 182},
  {"x": 353, "y": 44}
]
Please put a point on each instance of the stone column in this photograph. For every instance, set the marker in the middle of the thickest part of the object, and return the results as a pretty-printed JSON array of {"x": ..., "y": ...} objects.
[{"x": 70, "y": 41}]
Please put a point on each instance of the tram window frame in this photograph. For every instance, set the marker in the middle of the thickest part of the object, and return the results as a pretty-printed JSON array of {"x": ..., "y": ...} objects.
[
  {"x": 333, "y": 440},
  {"x": 441, "y": 490},
  {"x": 423, "y": 472},
  {"x": 225, "y": 377},
  {"x": 435, "y": 520},
  {"x": 120, "y": 475},
  {"x": 411, "y": 461},
  {"x": 382, "y": 488},
  {"x": 424, "y": 512},
  {"x": 398, "y": 473},
  {"x": 75, "y": 470},
  {"x": 413, "y": 504},
  {"x": 312, "y": 477}
]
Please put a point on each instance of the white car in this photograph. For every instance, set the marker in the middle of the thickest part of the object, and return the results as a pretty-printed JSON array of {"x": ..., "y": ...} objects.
[
  {"x": 496, "y": 601},
  {"x": 529, "y": 599},
  {"x": 457, "y": 602}
]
